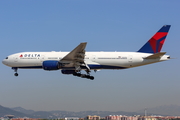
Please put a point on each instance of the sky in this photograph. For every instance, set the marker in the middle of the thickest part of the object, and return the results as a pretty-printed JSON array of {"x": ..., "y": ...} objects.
[{"x": 106, "y": 25}]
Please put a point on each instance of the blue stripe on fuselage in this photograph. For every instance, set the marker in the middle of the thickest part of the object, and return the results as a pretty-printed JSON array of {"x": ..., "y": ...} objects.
[{"x": 91, "y": 66}]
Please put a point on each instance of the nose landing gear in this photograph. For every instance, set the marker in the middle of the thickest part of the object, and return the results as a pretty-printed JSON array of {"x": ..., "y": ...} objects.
[
  {"x": 16, "y": 74},
  {"x": 15, "y": 70}
]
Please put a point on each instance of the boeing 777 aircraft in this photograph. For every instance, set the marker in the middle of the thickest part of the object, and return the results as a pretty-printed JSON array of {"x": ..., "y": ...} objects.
[{"x": 78, "y": 59}]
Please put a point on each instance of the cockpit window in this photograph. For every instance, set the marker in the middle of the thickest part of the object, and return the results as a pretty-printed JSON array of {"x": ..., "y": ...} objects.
[{"x": 6, "y": 57}]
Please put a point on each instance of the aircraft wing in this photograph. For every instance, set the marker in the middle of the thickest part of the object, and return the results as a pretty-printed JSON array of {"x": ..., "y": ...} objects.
[{"x": 76, "y": 56}]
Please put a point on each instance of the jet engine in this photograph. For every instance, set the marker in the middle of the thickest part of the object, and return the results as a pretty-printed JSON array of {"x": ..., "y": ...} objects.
[
  {"x": 51, "y": 65},
  {"x": 68, "y": 71}
]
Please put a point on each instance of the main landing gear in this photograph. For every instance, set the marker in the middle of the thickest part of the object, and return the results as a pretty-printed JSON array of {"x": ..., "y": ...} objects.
[
  {"x": 84, "y": 76},
  {"x": 15, "y": 70}
]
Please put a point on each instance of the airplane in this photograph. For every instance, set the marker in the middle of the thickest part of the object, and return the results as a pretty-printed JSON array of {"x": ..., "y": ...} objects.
[{"x": 72, "y": 63}]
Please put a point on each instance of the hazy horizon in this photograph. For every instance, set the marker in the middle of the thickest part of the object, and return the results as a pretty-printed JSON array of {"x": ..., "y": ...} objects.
[{"x": 138, "y": 111}]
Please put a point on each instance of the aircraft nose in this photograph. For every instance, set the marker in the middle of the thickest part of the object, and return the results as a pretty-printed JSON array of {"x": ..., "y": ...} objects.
[{"x": 4, "y": 62}]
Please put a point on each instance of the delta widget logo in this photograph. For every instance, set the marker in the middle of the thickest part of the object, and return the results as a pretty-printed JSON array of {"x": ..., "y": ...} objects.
[{"x": 30, "y": 55}]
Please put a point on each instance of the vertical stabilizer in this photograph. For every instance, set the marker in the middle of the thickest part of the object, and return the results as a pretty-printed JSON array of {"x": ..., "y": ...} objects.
[{"x": 155, "y": 44}]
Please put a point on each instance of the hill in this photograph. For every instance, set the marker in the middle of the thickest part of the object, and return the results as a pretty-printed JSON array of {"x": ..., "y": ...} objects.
[
  {"x": 22, "y": 110},
  {"x": 7, "y": 111},
  {"x": 171, "y": 110}
]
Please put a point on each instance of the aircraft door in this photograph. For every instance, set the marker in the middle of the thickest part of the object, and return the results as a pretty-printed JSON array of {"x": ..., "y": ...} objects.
[
  {"x": 130, "y": 59},
  {"x": 42, "y": 58},
  {"x": 94, "y": 58},
  {"x": 15, "y": 58}
]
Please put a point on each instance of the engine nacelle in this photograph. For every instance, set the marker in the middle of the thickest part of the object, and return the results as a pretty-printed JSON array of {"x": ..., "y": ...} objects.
[
  {"x": 51, "y": 65},
  {"x": 68, "y": 71}
]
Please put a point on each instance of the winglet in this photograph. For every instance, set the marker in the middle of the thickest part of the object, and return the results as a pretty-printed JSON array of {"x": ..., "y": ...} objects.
[{"x": 155, "y": 44}]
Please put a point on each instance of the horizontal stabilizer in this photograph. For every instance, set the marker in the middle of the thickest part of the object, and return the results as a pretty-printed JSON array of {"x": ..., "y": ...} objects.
[{"x": 156, "y": 55}]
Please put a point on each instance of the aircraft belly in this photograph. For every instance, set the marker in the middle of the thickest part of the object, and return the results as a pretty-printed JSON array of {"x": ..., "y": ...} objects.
[{"x": 108, "y": 64}]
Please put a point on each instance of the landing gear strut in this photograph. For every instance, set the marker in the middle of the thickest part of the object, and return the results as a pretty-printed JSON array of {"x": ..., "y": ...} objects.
[{"x": 15, "y": 70}]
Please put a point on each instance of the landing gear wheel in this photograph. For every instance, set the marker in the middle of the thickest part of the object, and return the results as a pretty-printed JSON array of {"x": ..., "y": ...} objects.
[
  {"x": 91, "y": 77},
  {"x": 84, "y": 75},
  {"x": 15, "y": 74}
]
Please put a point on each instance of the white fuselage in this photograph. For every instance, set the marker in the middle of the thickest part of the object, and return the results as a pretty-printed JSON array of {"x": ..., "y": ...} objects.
[{"x": 95, "y": 60}]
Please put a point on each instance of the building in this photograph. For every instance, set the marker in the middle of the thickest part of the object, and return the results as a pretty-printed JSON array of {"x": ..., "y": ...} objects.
[
  {"x": 1, "y": 118},
  {"x": 95, "y": 117},
  {"x": 116, "y": 117},
  {"x": 132, "y": 117},
  {"x": 25, "y": 119},
  {"x": 71, "y": 118}
]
